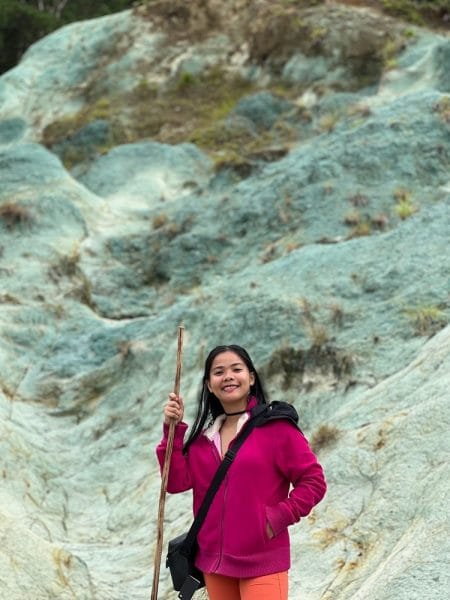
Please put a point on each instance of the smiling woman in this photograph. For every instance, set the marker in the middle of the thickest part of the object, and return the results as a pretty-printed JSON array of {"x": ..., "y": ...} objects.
[
  {"x": 275, "y": 479},
  {"x": 230, "y": 382}
]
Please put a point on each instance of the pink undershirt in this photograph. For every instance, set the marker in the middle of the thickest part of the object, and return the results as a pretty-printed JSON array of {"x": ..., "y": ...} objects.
[{"x": 214, "y": 431}]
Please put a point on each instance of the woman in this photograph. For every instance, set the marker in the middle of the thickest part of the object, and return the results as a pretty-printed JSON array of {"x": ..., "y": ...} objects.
[{"x": 243, "y": 545}]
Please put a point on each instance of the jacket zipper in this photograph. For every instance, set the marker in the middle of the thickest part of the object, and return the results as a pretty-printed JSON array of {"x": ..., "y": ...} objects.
[{"x": 224, "y": 484}]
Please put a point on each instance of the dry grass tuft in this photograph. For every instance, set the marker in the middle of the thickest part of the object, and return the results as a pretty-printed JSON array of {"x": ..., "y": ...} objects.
[
  {"x": 324, "y": 437},
  {"x": 14, "y": 215}
]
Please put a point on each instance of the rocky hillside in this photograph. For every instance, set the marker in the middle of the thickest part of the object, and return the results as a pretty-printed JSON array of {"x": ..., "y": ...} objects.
[{"x": 268, "y": 173}]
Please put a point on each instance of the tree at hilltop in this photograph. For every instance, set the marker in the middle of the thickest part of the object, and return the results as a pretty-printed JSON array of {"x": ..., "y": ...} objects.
[{"x": 23, "y": 22}]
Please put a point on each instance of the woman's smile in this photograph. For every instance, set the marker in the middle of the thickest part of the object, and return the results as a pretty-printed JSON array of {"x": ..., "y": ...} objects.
[{"x": 229, "y": 388}]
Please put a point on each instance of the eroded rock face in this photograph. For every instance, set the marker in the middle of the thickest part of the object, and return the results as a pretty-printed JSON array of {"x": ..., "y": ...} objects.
[{"x": 308, "y": 223}]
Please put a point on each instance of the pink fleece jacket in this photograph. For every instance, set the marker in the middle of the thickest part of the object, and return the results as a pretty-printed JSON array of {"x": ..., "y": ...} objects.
[{"x": 274, "y": 478}]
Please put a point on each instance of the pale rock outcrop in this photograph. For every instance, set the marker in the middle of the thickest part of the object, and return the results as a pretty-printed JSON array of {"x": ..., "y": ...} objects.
[{"x": 326, "y": 257}]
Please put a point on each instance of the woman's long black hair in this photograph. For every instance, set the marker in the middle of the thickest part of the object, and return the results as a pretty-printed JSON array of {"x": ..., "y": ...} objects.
[{"x": 208, "y": 404}]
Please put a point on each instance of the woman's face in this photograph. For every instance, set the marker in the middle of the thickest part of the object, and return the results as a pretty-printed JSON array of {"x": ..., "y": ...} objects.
[{"x": 230, "y": 381}]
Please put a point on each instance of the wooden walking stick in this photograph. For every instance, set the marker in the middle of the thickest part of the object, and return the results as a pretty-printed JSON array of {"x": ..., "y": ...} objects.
[{"x": 165, "y": 474}]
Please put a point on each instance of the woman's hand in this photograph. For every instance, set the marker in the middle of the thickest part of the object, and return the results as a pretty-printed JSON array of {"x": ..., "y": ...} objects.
[
  {"x": 269, "y": 531},
  {"x": 174, "y": 409}
]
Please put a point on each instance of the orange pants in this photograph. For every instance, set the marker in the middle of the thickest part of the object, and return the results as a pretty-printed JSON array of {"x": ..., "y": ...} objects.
[{"x": 267, "y": 587}]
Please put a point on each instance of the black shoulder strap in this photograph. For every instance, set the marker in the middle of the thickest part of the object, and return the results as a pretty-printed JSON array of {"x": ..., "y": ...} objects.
[{"x": 219, "y": 476}]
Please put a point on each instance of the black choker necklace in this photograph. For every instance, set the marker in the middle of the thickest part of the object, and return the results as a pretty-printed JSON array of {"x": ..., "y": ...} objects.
[{"x": 240, "y": 412}]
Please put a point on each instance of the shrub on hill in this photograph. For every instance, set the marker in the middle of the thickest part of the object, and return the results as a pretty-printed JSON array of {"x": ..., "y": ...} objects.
[{"x": 24, "y": 22}]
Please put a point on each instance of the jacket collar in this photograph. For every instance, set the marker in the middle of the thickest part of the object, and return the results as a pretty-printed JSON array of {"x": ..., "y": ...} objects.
[{"x": 213, "y": 429}]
